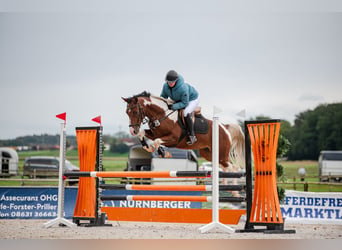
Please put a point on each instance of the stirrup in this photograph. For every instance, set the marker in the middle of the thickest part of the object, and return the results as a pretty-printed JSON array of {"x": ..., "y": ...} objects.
[{"x": 191, "y": 139}]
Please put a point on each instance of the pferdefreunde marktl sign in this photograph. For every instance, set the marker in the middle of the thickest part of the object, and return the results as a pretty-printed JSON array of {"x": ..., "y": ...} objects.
[{"x": 310, "y": 207}]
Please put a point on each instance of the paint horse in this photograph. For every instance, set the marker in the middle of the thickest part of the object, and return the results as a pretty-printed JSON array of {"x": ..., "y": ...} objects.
[{"x": 166, "y": 127}]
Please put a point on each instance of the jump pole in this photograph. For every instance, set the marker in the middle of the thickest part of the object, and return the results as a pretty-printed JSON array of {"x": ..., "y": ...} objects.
[
  {"x": 215, "y": 186},
  {"x": 60, "y": 220},
  {"x": 171, "y": 187},
  {"x": 154, "y": 174}
]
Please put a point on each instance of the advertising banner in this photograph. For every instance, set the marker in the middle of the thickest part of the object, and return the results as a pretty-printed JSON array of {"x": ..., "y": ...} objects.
[
  {"x": 312, "y": 208},
  {"x": 34, "y": 202},
  {"x": 41, "y": 203},
  {"x": 152, "y": 204}
]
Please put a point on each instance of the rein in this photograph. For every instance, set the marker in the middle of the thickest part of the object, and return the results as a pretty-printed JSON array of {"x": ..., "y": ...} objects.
[{"x": 157, "y": 122}]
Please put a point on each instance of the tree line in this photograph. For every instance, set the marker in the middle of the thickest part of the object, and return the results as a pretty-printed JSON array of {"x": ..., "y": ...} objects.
[
  {"x": 34, "y": 141},
  {"x": 51, "y": 142},
  {"x": 313, "y": 131}
]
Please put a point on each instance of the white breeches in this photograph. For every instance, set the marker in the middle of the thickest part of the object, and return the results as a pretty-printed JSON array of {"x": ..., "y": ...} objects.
[{"x": 191, "y": 107}]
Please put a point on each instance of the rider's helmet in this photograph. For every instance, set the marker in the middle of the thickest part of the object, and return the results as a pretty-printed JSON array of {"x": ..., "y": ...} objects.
[{"x": 171, "y": 76}]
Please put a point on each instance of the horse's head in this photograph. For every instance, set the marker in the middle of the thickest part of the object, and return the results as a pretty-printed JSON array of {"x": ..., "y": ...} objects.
[{"x": 135, "y": 112}]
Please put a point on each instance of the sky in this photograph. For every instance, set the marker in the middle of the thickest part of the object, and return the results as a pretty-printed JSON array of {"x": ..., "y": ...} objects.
[{"x": 272, "y": 58}]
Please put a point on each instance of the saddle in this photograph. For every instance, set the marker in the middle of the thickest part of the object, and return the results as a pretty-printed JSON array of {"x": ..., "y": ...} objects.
[{"x": 201, "y": 125}]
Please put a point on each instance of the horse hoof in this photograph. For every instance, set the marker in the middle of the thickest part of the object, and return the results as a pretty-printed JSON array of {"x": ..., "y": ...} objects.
[{"x": 168, "y": 154}]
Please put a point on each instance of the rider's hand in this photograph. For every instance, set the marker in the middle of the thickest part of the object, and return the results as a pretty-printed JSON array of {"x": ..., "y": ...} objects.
[{"x": 169, "y": 106}]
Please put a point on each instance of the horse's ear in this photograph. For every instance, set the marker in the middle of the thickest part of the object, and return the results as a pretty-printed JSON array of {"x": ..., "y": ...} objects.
[{"x": 125, "y": 99}]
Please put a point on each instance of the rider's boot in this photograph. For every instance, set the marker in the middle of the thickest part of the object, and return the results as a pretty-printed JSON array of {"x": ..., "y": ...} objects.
[{"x": 190, "y": 129}]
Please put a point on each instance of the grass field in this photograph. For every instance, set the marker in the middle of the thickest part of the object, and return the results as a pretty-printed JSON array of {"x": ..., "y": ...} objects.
[
  {"x": 118, "y": 162},
  {"x": 311, "y": 167}
]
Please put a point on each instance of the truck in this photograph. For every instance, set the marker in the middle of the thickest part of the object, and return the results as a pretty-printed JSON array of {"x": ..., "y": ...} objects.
[
  {"x": 8, "y": 162},
  {"x": 330, "y": 165},
  {"x": 181, "y": 160}
]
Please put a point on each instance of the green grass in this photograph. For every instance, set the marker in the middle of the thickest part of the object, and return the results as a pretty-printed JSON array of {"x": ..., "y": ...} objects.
[
  {"x": 112, "y": 160},
  {"x": 291, "y": 167},
  {"x": 311, "y": 168},
  {"x": 69, "y": 154},
  {"x": 28, "y": 182}
]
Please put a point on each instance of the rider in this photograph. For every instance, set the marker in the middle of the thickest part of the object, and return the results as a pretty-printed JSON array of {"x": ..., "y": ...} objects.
[{"x": 185, "y": 96}]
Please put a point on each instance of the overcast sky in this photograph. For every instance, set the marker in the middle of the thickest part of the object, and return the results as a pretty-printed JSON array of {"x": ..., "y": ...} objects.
[{"x": 272, "y": 60}]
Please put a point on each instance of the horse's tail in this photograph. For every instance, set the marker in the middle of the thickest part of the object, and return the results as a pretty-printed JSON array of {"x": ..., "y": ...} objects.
[{"x": 237, "y": 150}]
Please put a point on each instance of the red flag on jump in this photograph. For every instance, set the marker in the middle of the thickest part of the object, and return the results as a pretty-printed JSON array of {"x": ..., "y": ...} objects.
[
  {"x": 97, "y": 119},
  {"x": 62, "y": 116}
]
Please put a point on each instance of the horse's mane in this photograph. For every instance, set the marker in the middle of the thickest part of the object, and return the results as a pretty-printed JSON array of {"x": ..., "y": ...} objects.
[
  {"x": 149, "y": 95},
  {"x": 160, "y": 98},
  {"x": 142, "y": 94}
]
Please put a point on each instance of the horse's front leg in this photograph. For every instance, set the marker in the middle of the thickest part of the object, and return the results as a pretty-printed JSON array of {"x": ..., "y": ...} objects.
[
  {"x": 143, "y": 142},
  {"x": 156, "y": 144},
  {"x": 161, "y": 149}
]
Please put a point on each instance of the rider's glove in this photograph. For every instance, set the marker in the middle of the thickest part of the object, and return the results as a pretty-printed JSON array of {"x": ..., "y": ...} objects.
[{"x": 169, "y": 106}]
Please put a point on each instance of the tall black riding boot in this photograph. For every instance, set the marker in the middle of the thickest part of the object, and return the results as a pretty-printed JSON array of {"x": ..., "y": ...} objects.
[{"x": 190, "y": 128}]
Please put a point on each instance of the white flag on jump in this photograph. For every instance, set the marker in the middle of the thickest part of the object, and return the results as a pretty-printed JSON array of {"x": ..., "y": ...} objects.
[
  {"x": 216, "y": 110},
  {"x": 242, "y": 113}
]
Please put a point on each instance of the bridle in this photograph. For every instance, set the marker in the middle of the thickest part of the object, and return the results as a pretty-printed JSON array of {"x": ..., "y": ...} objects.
[{"x": 142, "y": 119}]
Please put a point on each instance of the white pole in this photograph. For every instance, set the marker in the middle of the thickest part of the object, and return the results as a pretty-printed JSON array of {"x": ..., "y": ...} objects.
[
  {"x": 215, "y": 183},
  {"x": 215, "y": 170},
  {"x": 60, "y": 208}
]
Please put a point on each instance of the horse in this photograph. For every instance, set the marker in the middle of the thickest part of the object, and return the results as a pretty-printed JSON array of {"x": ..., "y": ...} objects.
[{"x": 165, "y": 128}]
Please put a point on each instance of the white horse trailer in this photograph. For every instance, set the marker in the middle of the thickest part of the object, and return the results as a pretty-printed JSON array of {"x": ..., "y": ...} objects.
[
  {"x": 8, "y": 161},
  {"x": 181, "y": 160},
  {"x": 330, "y": 165}
]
